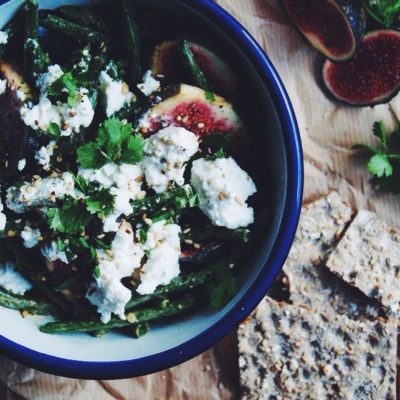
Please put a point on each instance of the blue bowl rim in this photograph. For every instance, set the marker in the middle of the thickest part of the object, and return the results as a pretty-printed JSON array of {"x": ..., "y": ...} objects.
[{"x": 280, "y": 250}]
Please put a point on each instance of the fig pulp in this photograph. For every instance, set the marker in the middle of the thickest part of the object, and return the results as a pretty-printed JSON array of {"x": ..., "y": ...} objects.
[
  {"x": 372, "y": 76},
  {"x": 192, "y": 108},
  {"x": 333, "y": 27},
  {"x": 167, "y": 60}
]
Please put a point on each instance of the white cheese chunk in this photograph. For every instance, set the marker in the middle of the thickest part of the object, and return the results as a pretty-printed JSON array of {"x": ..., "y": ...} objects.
[
  {"x": 3, "y": 218},
  {"x": 21, "y": 164},
  {"x": 12, "y": 281},
  {"x": 52, "y": 253},
  {"x": 78, "y": 116},
  {"x": 44, "y": 154},
  {"x": 108, "y": 294},
  {"x": 223, "y": 188},
  {"x": 163, "y": 246},
  {"x": 41, "y": 115},
  {"x": 124, "y": 182},
  {"x": 3, "y": 86},
  {"x": 40, "y": 192},
  {"x": 166, "y": 155},
  {"x": 45, "y": 80},
  {"x": 3, "y": 37},
  {"x": 30, "y": 237},
  {"x": 116, "y": 94},
  {"x": 149, "y": 85}
]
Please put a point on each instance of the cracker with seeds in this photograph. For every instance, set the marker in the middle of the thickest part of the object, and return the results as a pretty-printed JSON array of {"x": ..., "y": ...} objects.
[
  {"x": 368, "y": 257},
  {"x": 292, "y": 352}
]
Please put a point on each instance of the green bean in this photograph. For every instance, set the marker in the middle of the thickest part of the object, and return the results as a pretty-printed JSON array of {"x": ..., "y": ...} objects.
[
  {"x": 11, "y": 29},
  {"x": 83, "y": 33},
  {"x": 197, "y": 74},
  {"x": 177, "y": 198},
  {"x": 132, "y": 40},
  {"x": 38, "y": 278},
  {"x": 178, "y": 284},
  {"x": 215, "y": 233},
  {"x": 86, "y": 17},
  {"x": 133, "y": 318},
  {"x": 36, "y": 60},
  {"x": 22, "y": 303}
]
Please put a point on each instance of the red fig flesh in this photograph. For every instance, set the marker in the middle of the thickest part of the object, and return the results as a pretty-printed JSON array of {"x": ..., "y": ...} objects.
[
  {"x": 333, "y": 27},
  {"x": 372, "y": 76},
  {"x": 188, "y": 107},
  {"x": 167, "y": 60}
]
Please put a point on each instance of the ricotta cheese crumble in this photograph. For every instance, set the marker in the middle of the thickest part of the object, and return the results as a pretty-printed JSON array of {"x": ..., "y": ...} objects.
[
  {"x": 3, "y": 86},
  {"x": 116, "y": 94},
  {"x": 163, "y": 248},
  {"x": 223, "y": 189},
  {"x": 30, "y": 237},
  {"x": 149, "y": 85},
  {"x": 3, "y": 37},
  {"x": 52, "y": 253},
  {"x": 108, "y": 294},
  {"x": 166, "y": 154},
  {"x": 12, "y": 281},
  {"x": 40, "y": 192}
]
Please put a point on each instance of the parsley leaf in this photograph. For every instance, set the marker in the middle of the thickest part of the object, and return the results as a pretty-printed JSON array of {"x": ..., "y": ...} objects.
[
  {"x": 90, "y": 156},
  {"x": 224, "y": 287},
  {"x": 384, "y": 163},
  {"x": 114, "y": 143},
  {"x": 101, "y": 203},
  {"x": 70, "y": 218},
  {"x": 379, "y": 165}
]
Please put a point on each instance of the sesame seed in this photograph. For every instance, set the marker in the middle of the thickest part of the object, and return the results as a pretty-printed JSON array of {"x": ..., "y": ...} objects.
[
  {"x": 196, "y": 246},
  {"x": 188, "y": 241}
]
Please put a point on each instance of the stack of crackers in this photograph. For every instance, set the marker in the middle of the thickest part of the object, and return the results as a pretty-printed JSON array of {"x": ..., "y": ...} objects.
[{"x": 334, "y": 336}]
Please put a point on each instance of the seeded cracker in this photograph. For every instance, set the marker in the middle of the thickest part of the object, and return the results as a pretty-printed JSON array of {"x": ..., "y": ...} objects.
[
  {"x": 291, "y": 352},
  {"x": 368, "y": 257},
  {"x": 321, "y": 224}
]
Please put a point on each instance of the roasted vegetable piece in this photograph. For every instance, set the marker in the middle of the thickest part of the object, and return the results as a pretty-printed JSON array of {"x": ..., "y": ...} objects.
[
  {"x": 80, "y": 32},
  {"x": 372, "y": 76},
  {"x": 23, "y": 303},
  {"x": 36, "y": 60},
  {"x": 133, "y": 318},
  {"x": 132, "y": 40},
  {"x": 167, "y": 62},
  {"x": 333, "y": 27},
  {"x": 86, "y": 17}
]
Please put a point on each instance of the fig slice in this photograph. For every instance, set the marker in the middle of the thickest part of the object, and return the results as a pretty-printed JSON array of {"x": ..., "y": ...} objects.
[
  {"x": 333, "y": 27},
  {"x": 167, "y": 60},
  {"x": 372, "y": 76},
  {"x": 191, "y": 108}
]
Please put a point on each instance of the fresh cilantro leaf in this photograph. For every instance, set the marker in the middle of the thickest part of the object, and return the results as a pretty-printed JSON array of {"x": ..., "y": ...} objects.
[
  {"x": 218, "y": 154},
  {"x": 54, "y": 130},
  {"x": 90, "y": 156},
  {"x": 81, "y": 184},
  {"x": 133, "y": 149},
  {"x": 224, "y": 287},
  {"x": 65, "y": 84},
  {"x": 379, "y": 131},
  {"x": 100, "y": 202},
  {"x": 387, "y": 12},
  {"x": 71, "y": 218},
  {"x": 112, "y": 135},
  {"x": 379, "y": 165}
]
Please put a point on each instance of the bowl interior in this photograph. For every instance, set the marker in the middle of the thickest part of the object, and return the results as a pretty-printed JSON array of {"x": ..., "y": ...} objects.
[{"x": 269, "y": 167}]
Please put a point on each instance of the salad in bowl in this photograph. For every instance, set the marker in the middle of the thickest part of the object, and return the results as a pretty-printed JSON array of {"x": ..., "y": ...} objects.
[{"x": 125, "y": 188}]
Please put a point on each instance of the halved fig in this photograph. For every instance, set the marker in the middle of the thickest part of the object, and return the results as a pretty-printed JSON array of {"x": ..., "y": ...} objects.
[
  {"x": 190, "y": 107},
  {"x": 167, "y": 60},
  {"x": 333, "y": 27},
  {"x": 372, "y": 76}
]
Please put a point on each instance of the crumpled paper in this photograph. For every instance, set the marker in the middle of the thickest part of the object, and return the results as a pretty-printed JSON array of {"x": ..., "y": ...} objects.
[{"x": 328, "y": 131}]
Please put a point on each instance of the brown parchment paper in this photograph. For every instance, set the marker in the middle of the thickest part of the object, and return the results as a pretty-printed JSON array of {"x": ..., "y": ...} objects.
[{"x": 328, "y": 131}]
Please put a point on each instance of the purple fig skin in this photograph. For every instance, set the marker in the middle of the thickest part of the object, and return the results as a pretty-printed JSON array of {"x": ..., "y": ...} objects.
[
  {"x": 167, "y": 61},
  {"x": 334, "y": 27},
  {"x": 372, "y": 76}
]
